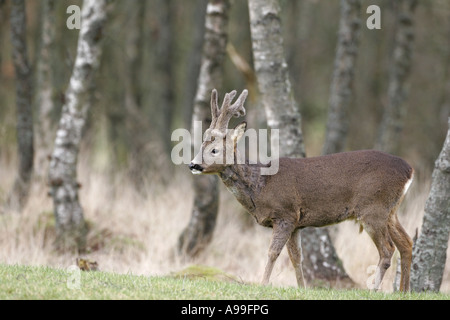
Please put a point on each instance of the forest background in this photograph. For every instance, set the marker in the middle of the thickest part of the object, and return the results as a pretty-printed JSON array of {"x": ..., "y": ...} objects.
[{"x": 136, "y": 201}]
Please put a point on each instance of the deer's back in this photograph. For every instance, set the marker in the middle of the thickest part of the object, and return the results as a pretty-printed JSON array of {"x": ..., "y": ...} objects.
[{"x": 336, "y": 187}]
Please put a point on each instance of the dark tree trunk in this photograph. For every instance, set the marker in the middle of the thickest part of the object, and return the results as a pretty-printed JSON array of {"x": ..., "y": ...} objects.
[
  {"x": 198, "y": 232},
  {"x": 19, "y": 194},
  {"x": 135, "y": 51},
  {"x": 342, "y": 82},
  {"x": 164, "y": 69},
  {"x": 138, "y": 131},
  {"x": 70, "y": 224},
  {"x": 282, "y": 113},
  {"x": 3, "y": 22},
  {"x": 430, "y": 250},
  {"x": 392, "y": 122}
]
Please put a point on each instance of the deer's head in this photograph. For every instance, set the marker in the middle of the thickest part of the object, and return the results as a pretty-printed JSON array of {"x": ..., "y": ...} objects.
[{"x": 218, "y": 149}]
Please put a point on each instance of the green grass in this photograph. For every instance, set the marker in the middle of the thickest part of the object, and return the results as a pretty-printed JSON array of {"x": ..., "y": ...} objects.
[{"x": 23, "y": 282}]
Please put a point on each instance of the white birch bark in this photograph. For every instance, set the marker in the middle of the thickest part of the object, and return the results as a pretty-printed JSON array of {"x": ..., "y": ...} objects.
[
  {"x": 430, "y": 250},
  {"x": 70, "y": 225},
  {"x": 342, "y": 82},
  {"x": 281, "y": 109}
]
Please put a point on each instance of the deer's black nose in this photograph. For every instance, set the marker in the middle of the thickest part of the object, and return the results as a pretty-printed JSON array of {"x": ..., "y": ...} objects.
[{"x": 193, "y": 166}]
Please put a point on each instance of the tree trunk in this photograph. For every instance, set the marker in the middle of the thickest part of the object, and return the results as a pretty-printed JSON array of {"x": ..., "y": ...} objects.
[
  {"x": 194, "y": 62},
  {"x": 282, "y": 113},
  {"x": 70, "y": 224},
  {"x": 19, "y": 194},
  {"x": 135, "y": 51},
  {"x": 394, "y": 113},
  {"x": 430, "y": 250},
  {"x": 342, "y": 82},
  {"x": 198, "y": 232},
  {"x": 164, "y": 69},
  {"x": 44, "y": 90},
  {"x": 138, "y": 132},
  {"x": 3, "y": 22},
  {"x": 273, "y": 77}
]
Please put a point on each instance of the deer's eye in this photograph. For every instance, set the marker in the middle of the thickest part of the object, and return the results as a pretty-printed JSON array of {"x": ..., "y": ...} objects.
[{"x": 215, "y": 151}]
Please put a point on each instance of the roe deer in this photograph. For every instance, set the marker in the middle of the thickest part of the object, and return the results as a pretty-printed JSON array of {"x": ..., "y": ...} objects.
[{"x": 366, "y": 186}]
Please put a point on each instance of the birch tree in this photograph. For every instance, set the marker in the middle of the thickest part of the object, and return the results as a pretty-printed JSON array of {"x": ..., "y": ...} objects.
[
  {"x": 194, "y": 61},
  {"x": 44, "y": 89},
  {"x": 25, "y": 150},
  {"x": 342, "y": 82},
  {"x": 273, "y": 77},
  {"x": 282, "y": 112},
  {"x": 430, "y": 250},
  {"x": 392, "y": 122},
  {"x": 199, "y": 230},
  {"x": 70, "y": 224}
]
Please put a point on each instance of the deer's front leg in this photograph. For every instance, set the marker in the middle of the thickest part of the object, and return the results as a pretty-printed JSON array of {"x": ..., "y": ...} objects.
[
  {"x": 294, "y": 246},
  {"x": 281, "y": 233}
]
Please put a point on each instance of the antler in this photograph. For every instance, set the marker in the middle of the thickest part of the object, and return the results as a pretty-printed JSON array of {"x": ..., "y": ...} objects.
[{"x": 221, "y": 117}]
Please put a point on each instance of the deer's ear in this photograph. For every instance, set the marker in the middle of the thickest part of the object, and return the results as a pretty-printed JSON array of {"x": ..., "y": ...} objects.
[{"x": 239, "y": 131}]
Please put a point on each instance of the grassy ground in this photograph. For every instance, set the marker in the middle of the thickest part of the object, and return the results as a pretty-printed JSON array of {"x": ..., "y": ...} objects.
[
  {"x": 131, "y": 233},
  {"x": 23, "y": 282}
]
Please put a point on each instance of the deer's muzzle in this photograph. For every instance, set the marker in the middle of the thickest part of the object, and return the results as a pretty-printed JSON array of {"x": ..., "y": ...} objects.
[{"x": 195, "y": 168}]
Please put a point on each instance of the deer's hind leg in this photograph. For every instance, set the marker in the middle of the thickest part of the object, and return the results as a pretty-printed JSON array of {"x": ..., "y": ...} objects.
[
  {"x": 375, "y": 224},
  {"x": 281, "y": 233},
  {"x": 404, "y": 245},
  {"x": 386, "y": 249}
]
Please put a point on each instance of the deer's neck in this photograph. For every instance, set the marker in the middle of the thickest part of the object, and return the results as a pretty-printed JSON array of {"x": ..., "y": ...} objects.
[{"x": 245, "y": 182}]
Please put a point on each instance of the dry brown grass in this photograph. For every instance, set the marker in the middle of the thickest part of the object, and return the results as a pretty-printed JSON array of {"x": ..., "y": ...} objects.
[{"x": 138, "y": 234}]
